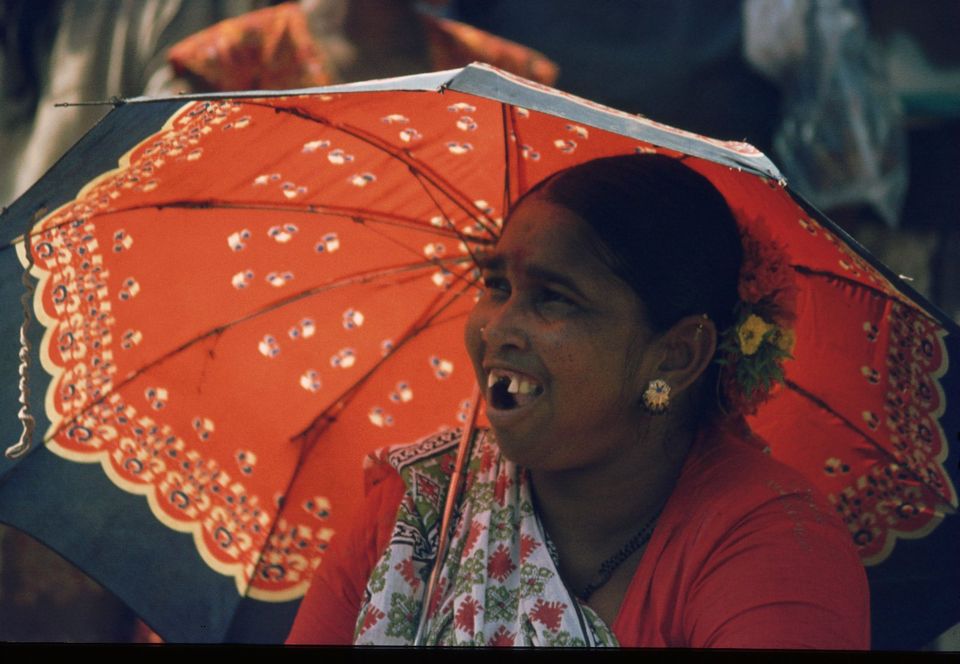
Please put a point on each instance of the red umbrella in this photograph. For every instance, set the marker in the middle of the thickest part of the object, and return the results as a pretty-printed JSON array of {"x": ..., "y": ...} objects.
[{"x": 241, "y": 295}]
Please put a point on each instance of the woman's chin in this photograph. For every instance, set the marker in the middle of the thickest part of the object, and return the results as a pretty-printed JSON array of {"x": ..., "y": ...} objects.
[{"x": 526, "y": 448}]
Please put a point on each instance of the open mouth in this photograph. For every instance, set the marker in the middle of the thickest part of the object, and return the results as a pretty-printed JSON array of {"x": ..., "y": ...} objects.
[{"x": 508, "y": 390}]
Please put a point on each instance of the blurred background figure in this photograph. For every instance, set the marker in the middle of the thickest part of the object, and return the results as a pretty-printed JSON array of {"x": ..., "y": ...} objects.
[
  {"x": 919, "y": 46},
  {"x": 321, "y": 42},
  {"x": 54, "y": 51},
  {"x": 840, "y": 135},
  {"x": 676, "y": 61}
]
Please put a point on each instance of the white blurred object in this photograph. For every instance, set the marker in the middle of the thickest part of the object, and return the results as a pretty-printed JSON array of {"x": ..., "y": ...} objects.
[
  {"x": 949, "y": 641},
  {"x": 840, "y": 142}
]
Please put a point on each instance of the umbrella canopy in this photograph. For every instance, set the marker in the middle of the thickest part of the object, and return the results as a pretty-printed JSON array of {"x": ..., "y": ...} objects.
[{"x": 239, "y": 296}]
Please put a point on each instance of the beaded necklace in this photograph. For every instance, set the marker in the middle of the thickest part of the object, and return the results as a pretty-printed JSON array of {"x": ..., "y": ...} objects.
[{"x": 610, "y": 565}]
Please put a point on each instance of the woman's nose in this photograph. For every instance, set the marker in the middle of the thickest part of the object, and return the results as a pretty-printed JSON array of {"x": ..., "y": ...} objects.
[{"x": 505, "y": 328}]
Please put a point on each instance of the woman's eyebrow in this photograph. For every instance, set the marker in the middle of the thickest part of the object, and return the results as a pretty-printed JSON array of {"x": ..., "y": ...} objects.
[
  {"x": 546, "y": 275},
  {"x": 496, "y": 263}
]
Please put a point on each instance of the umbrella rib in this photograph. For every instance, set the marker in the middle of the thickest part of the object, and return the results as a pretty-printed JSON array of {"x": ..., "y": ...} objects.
[
  {"x": 482, "y": 221},
  {"x": 509, "y": 128},
  {"x": 326, "y": 418},
  {"x": 323, "y": 418},
  {"x": 331, "y": 210},
  {"x": 820, "y": 403},
  {"x": 452, "y": 227},
  {"x": 311, "y": 433},
  {"x": 404, "y": 156},
  {"x": 357, "y": 214},
  {"x": 879, "y": 292},
  {"x": 360, "y": 278}
]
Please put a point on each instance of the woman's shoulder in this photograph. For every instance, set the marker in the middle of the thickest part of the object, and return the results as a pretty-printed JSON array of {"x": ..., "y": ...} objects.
[
  {"x": 731, "y": 467},
  {"x": 731, "y": 489},
  {"x": 758, "y": 554}
]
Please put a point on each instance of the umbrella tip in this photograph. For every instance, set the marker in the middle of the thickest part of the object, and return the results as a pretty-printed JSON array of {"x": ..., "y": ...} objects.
[
  {"x": 17, "y": 450},
  {"x": 23, "y": 445}
]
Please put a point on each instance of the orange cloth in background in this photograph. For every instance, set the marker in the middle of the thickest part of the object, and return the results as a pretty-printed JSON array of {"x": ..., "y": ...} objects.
[
  {"x": 745, "y": 555},
  {"x": 273, "y": 49}
]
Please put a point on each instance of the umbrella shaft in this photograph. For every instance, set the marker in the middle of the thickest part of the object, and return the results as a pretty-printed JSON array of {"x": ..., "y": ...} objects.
[{"x": 453, "y": 495}]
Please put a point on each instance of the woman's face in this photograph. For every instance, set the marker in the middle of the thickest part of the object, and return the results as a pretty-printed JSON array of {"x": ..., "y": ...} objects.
[{"x": 558, "y": 342}]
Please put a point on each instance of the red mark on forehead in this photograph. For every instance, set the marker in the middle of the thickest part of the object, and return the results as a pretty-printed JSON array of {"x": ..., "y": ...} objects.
[{"x": 518, "y": 256}]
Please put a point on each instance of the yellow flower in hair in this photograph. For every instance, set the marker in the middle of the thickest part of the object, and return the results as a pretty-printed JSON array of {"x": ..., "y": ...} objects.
[
  {"x": 750, "y": 333},
  {"x": 785, "y": 340}
]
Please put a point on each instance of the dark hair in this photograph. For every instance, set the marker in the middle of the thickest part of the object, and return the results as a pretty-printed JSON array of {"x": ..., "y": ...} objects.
[{"x": 661, "y": 227}]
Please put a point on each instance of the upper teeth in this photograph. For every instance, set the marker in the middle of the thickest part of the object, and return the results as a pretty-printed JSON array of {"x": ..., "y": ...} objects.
[{"x": 518, "y": 384}]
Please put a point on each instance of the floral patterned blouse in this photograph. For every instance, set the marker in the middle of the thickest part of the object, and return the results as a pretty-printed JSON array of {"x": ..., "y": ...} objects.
[{"x": 746, "y": 554}]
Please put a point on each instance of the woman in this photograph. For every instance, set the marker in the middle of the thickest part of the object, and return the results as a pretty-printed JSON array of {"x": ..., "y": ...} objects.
[{"x": 618, "y": 496}]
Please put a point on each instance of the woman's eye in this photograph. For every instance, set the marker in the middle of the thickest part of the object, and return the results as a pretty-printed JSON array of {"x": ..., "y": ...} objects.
[
  {"x": 548, "y": 296},
  {"x": 496, "y": 286}
]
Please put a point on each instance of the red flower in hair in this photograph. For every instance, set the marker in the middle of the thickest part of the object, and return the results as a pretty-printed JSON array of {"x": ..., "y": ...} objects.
[
  {"x": 766, "y": 278},
  {"x": 753, "y": 350}
]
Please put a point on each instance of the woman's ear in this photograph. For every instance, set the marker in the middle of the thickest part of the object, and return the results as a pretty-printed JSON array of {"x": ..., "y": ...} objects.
[{"x": 687, "y": 349}]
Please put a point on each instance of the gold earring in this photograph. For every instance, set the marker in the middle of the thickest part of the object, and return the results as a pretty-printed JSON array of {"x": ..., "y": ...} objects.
[{"x": 656, "y": 398}]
